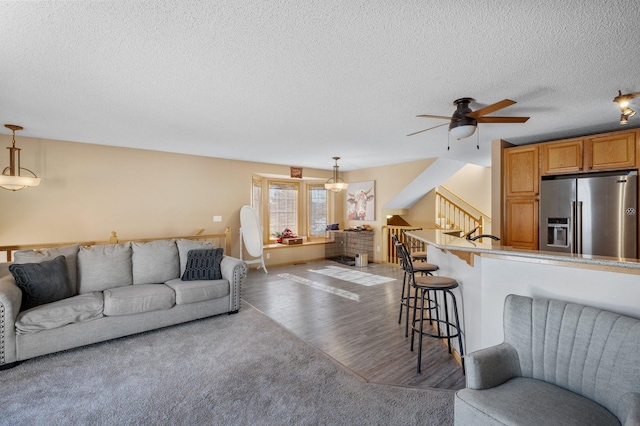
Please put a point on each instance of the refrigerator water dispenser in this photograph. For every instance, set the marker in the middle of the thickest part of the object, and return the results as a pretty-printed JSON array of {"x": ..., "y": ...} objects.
[{"x": 558, "y": 231}]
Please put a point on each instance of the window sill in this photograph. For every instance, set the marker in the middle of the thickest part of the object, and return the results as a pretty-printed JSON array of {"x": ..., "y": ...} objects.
[{"x": 307, "y": 243}]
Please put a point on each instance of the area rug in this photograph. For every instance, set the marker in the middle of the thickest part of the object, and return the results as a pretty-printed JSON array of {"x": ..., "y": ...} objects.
[{"x": 239, "y": 369}]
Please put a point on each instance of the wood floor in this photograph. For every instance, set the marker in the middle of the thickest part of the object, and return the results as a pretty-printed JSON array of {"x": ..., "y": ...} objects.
[{"x": 355, "y": 324}]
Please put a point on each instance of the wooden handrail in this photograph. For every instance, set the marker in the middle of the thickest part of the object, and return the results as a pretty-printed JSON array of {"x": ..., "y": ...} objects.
[
  {"x": 113, "y": 239},
  {"x": 456, "y": 215},
  {"x": 480, "y": 212}
]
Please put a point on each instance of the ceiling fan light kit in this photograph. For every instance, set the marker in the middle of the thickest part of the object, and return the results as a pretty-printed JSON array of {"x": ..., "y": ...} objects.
[
  {"x": 462, "y": 126},
  {"x": 11, "y": 178},
  {"x": 464, "y": 121},
  {"x": 623, "y": 103}
]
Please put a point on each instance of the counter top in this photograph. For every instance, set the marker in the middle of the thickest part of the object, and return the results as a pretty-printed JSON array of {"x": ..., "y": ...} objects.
[{"x": 443, "y": 239}]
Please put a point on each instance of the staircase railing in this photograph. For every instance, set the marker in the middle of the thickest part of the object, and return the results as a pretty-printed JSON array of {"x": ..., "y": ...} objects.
[
  {"x": 452, "y": 212},
  {"x": 451, "y": 215},
  {"x": 390, "y": 254}
]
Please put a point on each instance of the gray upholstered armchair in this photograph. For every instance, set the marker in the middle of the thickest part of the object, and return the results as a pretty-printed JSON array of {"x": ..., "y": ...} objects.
[{"x": 560, "y": 364}]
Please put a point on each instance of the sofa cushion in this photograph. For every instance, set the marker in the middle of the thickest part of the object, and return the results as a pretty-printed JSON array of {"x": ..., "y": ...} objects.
[
  {"x": 139, "y": 298},
  {"x": 80, "y": 308},
  {"x": 42, "y": 282},
  {"x": 524, "y": 401},
  {"x": 183, "y": 250},
  {"x": 104, "y": 266},
  {"x": 155, "y": 262},
  {"x": 203, "y": 264},
  {"x": 69, "y": 252},
  {"x": 197, "y": 291}
]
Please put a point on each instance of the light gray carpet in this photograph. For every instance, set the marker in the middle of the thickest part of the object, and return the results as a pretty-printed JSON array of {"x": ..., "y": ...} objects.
[{"x": 227, "y": 370}]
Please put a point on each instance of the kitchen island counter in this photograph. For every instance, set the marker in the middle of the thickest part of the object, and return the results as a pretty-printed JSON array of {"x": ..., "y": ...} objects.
[
  {"x": 487, "y": 273},
  {"x": 443, "y": 240}
]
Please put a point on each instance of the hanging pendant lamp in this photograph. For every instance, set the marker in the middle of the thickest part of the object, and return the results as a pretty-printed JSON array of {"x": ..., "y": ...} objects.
[
  {"x": 335, "y": 184},
  {"x": 12, "y": 178}
]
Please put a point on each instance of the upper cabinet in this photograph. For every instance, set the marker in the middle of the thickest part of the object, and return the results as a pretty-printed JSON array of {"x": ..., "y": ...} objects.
[
  {"x": 521, "y": 171},
  {"x": 562, "y": 157},
  {"x": 611, "y": 152}
]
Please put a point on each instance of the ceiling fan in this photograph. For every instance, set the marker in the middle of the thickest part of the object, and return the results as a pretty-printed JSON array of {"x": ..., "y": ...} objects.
[{"x": 464, "y": 121}]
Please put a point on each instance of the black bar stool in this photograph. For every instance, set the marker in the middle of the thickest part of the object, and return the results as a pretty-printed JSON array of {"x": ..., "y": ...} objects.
[
  {"x": 435, "y": 284},
  {"x": 416, "y": 249},
  {"x": 423, "y": 268}
]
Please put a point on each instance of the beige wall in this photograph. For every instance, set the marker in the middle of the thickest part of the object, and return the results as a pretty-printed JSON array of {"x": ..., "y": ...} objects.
[
  {"x": 88, "y": 190},
  {"x": 473, "y": 185}
]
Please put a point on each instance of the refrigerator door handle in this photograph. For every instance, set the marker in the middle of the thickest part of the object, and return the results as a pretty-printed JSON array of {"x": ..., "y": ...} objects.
[
  {"x": 573, "y": 228},
  {"x": 579, "y": 228}
]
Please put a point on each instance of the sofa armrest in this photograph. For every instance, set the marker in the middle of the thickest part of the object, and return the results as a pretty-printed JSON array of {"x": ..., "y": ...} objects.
[
  {"x": 629, "y": 409},
  {"x": 233, "y": 270},
  {"x": 10, "y": 301},
  {"x": 490, "y": 367}
]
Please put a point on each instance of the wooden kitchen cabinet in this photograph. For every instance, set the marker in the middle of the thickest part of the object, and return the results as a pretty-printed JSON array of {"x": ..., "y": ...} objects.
[
  {"x": 562, "y": 157},
  {"x": 521, "y": 171},
  {"x": 521, "y": 184},
  {"x": 522, "y": 223},
  {"x": 611, "y": 152}
]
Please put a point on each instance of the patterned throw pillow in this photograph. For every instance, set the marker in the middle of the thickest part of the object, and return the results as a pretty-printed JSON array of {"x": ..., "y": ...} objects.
[
  {"x": 42, "y": 282},
  {"x": 203, "y": 264}
]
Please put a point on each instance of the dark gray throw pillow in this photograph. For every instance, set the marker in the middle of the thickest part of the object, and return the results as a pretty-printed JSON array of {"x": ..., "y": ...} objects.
[
  {"x": 203, "y": 264},
  {"x": 42, "y": 282}
]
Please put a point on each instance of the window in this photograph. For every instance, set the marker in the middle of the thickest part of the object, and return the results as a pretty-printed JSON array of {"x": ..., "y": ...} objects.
[
  {"x": 304, "y": 206},
  {"x": 283, "y": 207},
  {"x": 317, "y": 210}
]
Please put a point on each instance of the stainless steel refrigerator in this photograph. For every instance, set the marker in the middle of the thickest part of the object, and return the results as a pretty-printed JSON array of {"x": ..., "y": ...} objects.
[{"x": 590, "y": 214}]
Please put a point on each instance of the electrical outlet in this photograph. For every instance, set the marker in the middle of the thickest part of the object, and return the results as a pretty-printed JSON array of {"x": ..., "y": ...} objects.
[
  {"x": 377, "y": 248},
  {"x": 217, "y": 218},
  {"x": 268, "y": 255}
]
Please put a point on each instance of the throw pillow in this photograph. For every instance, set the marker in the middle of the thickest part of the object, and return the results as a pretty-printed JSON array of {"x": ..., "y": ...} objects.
[
  {"x": 42, "y": 282},
  {"x": 203, "y": 264},
  {"x": 36, "y": 256},
  {"x": 185, "y": 245}
]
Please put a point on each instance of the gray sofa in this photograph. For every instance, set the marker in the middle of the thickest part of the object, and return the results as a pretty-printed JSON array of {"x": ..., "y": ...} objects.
[
  {"x": 560, "y": 364},
  {"x": 111, "y": 290}
]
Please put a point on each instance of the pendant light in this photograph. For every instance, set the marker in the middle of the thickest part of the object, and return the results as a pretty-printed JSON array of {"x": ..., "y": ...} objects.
[
  {"x": 11, "y": 177},
  {"x": 335, "y": 184}
]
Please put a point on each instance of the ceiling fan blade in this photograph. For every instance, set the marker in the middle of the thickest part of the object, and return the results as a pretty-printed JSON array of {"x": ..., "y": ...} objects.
[
  {"x": 491, "y": 108},
  {"x": 434, "y": 116},
  {"x": 430, "y": 128},
  {"x": 502, "y": 119}
]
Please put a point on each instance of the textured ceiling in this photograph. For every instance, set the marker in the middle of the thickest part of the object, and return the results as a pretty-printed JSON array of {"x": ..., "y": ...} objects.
[{"x": 296, "y": 83}]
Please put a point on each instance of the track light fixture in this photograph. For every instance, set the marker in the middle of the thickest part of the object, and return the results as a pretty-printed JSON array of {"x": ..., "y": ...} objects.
[{"x": 623, "y": 103}]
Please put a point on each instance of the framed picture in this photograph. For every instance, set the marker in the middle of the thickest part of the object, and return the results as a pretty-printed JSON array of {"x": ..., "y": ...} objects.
[
  {"x": 296, "y": 172},
  {"x": 361, "y": 197}
]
